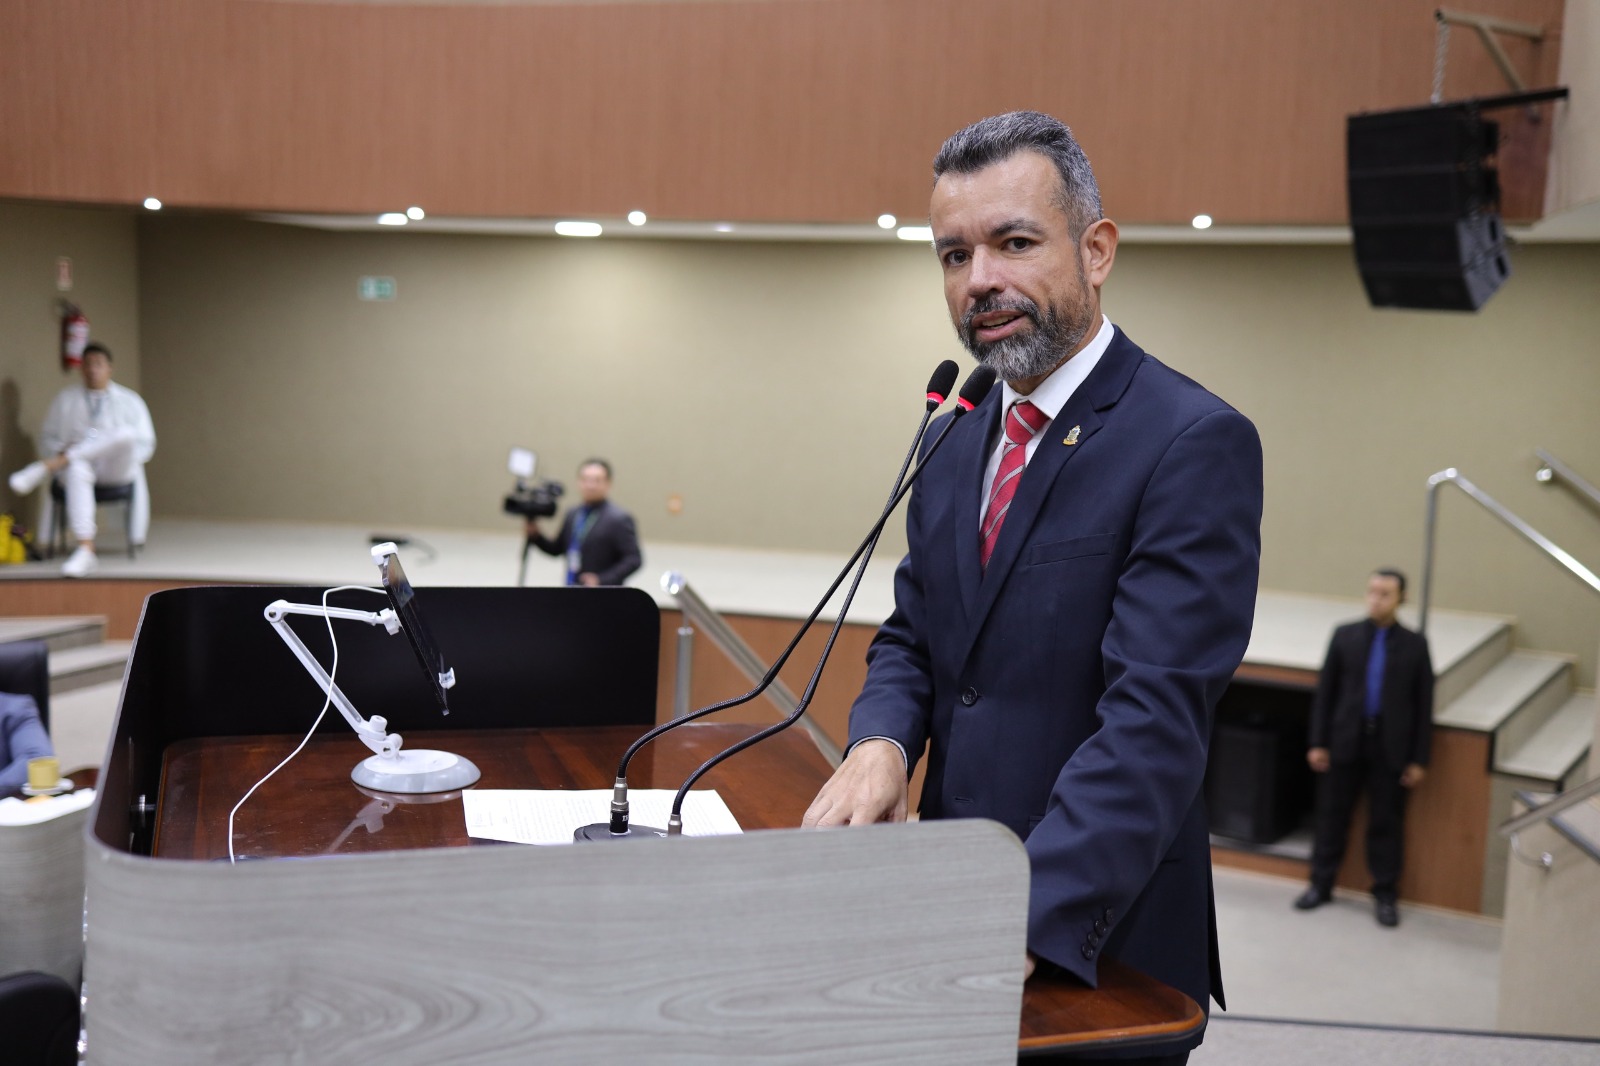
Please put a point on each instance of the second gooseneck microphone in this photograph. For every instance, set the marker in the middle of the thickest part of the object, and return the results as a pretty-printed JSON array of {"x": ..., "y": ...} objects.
[
  {"x": 976, "y": 387},
  {"x": 939, "y": 385}
]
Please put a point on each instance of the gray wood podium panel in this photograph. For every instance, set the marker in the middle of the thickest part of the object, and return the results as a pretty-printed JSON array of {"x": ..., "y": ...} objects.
[
  {"x": 41, "y": 896},
  {"x": 886, "y": 944}
]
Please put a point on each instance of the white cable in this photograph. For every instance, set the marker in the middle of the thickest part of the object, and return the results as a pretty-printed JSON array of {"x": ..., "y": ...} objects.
[{"x": 332, "y": 673}]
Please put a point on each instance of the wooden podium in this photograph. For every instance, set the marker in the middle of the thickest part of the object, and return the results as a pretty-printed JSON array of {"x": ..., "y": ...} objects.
[{"x": 405, "y": 941}]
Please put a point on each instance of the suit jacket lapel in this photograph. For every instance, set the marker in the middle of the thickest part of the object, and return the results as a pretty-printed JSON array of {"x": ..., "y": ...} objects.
[{"x": 1103, "y": 388}]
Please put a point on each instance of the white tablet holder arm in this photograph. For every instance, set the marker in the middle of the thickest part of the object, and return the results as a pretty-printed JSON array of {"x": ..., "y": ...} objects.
[{"x": 389, "y": 769}]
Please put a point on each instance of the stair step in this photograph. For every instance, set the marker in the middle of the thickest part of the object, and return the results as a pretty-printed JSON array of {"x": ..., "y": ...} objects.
[
  {"x": 59, "y": 632},
  {"x": 81, "y": 721},
  {"x": 1475, "y": 653},
  {"x": 1508, "y": 686},
  {"x": 91, "y": 664},
  {"x": 1554, "y": 750}
]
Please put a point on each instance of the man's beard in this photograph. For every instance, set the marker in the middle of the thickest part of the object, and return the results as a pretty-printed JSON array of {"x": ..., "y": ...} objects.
[{"x": 1030, "y": 353}]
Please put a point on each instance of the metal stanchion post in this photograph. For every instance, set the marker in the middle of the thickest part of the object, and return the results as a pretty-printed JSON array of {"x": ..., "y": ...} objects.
[{"x": 684, "y": 677}]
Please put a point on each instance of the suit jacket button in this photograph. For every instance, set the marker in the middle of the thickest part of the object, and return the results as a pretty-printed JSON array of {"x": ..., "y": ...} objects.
[
  {"x": 1088, "y": 952},
  {"x": 1099, "y": 926},
  {"x": 1094, "y": 938},
  {"x": 969, "y": 697}
]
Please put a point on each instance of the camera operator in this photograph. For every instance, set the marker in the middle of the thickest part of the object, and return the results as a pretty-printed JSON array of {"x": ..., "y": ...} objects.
[{"x": 597, "y": 537}]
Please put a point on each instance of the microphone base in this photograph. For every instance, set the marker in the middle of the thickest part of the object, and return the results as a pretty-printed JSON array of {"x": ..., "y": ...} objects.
[{"x": 602, "y": 831}]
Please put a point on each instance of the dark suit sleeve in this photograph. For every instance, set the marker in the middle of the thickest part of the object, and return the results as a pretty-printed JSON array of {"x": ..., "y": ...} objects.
[
  {"x": 1422, "y": 706},
  {"x": 1180, "y": 621},
  {"x": 626, "y": 539},
  {"x": 557, "y": 546},
  {"x": 1327, "y": 697},
  {"x": 22, "y": 737}
]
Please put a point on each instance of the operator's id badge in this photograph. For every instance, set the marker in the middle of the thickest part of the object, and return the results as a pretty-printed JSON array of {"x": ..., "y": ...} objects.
[{"x": 574, "y": 561}]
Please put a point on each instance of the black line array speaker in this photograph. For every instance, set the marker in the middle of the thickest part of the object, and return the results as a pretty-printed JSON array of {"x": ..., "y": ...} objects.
[{"x": 1425, "y": 207}]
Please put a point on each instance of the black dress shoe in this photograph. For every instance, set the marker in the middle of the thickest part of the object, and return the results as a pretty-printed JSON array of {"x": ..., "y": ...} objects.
[
  {"x": 1388, "y": 913},
  {"x": 1311, "y": 899}
]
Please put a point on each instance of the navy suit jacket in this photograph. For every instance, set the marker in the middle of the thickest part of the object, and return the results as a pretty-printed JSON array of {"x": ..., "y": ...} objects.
[
  {"x": 610, "y": 550},
  {"x": 22, "y": 737},
  {"x": 1405, "y": 697},
  {"x": 1067, "y": 691}
]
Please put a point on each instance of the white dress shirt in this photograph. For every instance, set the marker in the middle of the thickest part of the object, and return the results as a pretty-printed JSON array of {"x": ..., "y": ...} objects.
[{"x": 1050, "y": 397}]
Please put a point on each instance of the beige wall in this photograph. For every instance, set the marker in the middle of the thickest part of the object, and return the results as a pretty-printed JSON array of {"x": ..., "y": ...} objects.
[
  {"x": 1574, "y": 171},
  {"x": 1550, "y": 950},
  {"x": 100, "y": 244},
  {"x": 774, "y": 388},
  {"x": 1357, "y": 407}
]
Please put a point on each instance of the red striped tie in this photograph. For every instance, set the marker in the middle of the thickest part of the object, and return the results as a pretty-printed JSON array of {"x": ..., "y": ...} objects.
[{"x": 1023, "y": 422}]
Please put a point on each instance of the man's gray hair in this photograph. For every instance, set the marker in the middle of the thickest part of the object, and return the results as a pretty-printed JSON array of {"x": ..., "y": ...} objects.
[{"x": 998, "y": 138}]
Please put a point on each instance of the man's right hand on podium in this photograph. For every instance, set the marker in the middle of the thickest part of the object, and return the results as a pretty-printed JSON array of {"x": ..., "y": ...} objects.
[{"x": 869, "y": 786}]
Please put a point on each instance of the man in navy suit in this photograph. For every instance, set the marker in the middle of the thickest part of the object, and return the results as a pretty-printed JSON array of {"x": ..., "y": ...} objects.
[
  {"x": 1078, "y": 595},
  {"x": 1371, "y": 730},
  {"x": 597, "y": 537}
]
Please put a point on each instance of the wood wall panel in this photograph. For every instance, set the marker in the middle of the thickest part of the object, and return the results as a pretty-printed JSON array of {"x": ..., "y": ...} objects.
[
  {"x": 1447, "y": 828},
  {"x": 120, "y": 600},
  {"x": 784, "y": 110}
]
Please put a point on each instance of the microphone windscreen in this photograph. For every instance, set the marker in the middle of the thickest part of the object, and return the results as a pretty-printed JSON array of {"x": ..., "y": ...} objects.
[
  {"x": 943, "y": 380},
  {"x": 976, "y": 387}
]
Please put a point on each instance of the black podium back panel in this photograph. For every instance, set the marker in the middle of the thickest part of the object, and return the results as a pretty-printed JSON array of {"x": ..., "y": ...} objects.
[
  {"x": 206, "y": 663},
  {"x": 211, "y": 665}
]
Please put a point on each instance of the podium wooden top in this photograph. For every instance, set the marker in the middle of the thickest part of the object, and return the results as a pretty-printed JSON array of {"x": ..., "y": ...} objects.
[{"x": 311, "y": 807}]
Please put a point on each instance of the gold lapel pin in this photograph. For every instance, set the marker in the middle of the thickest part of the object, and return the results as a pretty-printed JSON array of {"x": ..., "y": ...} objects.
[{"x": 1072, "y": 436}]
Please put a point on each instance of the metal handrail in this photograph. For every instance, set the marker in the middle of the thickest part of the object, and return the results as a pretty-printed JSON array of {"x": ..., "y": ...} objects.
[
  {"x": 1553, "y": 806},
  {"x": 1500, "y": 511},
  {"x": 715, "y": 627},
  {"x": 1553, "y": 469}
]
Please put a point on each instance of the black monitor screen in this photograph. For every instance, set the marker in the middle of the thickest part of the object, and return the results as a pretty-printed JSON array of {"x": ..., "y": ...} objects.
[{"x": 404, "y": 600}]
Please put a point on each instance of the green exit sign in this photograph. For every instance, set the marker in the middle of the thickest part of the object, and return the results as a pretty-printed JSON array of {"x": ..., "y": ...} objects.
[{"x": 377, "y": 288}]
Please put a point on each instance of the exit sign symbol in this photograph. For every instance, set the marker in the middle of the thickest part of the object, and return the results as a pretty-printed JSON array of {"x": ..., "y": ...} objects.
[{"x": 373, "y": 288}]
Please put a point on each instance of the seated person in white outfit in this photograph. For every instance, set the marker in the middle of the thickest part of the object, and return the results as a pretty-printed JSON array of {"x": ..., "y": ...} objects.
[{"x": 96, "y": 433}]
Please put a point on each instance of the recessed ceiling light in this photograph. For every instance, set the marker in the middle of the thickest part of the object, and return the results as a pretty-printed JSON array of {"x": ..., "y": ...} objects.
[
  {"x": 1201, "y": 222},
  {"x": 886, "y": 221},
  {"x": 915, "y": 233},
  {"x": 637, "y": 218},
  {"x": 724, "y": 227},
  {"x": 416, "y": 214},
  {"x": 392, "y": 218},
  {"x": 579, "y": 229},
  {"x": 152, "y": 203}
]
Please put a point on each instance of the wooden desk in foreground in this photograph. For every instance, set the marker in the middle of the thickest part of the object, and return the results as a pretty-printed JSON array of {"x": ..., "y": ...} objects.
[{"x": 312, "y": 808}]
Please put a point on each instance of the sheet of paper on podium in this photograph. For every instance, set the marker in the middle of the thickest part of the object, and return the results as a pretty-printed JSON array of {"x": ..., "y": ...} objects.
[{"x": 551, "y": 816}]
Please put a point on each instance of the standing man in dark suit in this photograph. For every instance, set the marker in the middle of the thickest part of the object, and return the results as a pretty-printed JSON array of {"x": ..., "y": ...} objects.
[
  {"x": 1372, "y": 726},
  {"x": 597, "y": 537},
  {"x": 1080, "y": 585}
]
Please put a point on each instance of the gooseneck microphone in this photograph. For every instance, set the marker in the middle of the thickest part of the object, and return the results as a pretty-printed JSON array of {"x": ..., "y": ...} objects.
[
  {"x": 976, "y": 387},
  {"x": 939, "y": 385}
]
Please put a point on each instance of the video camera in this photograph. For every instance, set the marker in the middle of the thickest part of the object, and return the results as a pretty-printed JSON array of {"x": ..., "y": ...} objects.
[{"x": 530, "y": 498}]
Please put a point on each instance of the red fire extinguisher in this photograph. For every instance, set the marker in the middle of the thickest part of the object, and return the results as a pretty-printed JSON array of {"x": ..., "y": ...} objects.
[{"x": 74, "y": 335}]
